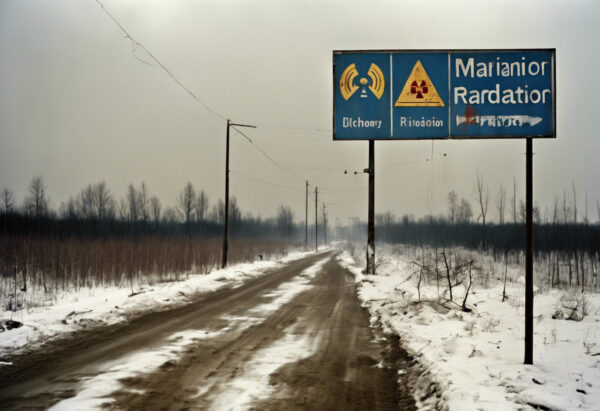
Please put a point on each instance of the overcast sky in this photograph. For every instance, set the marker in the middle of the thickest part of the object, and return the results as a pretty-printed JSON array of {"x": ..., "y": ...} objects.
[{"x": 77, "y": 105}]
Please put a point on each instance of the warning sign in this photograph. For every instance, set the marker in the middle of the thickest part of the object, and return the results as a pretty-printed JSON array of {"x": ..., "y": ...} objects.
[{"x": 418, "y": 90}]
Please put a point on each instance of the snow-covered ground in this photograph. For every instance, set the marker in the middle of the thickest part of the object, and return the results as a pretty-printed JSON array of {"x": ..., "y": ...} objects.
[
  {"x": 474, "y": 360},
  {"x": 75, "y": 310}
]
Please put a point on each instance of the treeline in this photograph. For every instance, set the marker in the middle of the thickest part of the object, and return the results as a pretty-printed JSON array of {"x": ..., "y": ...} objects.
[
  {"x": 94, "y": 212},
  {"x": 93, "y": 239}
]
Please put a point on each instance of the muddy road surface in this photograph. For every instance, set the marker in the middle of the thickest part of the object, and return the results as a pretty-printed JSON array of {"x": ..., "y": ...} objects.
[{"x": 293, "y": 339}]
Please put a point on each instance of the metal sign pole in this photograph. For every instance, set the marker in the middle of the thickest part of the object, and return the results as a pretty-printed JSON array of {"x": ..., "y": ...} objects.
[
  {"x": 306, "y": 220},
  {"x": 316, "y": 223},
  {"x": 529, "y": 255},
  {"x": 371, "y": 228}
]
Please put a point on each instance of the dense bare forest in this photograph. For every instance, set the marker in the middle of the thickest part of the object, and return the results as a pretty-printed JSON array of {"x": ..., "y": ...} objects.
[{"x": 95, "y": 240}]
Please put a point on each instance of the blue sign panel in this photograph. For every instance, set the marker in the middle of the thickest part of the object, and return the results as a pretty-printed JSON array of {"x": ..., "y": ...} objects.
[{"x": 444, "y": 94}]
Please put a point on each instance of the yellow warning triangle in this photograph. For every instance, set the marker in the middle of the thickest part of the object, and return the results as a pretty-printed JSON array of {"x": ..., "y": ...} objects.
[{"x": 418, "y": 90}]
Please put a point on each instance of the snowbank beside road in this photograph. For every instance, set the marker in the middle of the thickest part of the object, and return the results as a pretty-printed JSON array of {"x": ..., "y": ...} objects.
[
  {"x": 475, "y": 360},
  {"x": 87, "y": 308}
]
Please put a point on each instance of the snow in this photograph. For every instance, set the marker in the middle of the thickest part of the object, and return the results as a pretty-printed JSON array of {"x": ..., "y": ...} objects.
[
  {"x": 474, "y": 361},
  {"x": 85, "y": 308},
  {"x": 253, "y": 384},
  {"x": 94, "y": 392},
  {"x": 96, "y": 384}
]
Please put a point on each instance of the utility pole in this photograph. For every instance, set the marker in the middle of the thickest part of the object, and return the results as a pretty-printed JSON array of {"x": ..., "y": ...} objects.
[
  {"x": 316, "y": 223},
  {"x": 306, "y": 221},
  {"x": 529, "y": 253},
  {"x": 371, "y": 228},
  {"x": 325, "y": 223},
  {"x": 226, "y": 228}
]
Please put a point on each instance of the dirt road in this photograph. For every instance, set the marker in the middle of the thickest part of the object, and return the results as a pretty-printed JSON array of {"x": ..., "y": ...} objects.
[{"x": 294, "y": 339}]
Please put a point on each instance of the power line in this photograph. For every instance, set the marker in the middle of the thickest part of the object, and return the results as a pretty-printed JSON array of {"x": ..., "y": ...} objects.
[
  {"x": 266, "y": 182},
  {"x": 268, "y": 157},
  {"x": 137, "y": 44}
]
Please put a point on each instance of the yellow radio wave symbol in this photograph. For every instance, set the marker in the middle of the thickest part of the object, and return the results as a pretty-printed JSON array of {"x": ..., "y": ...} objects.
[{"x": 348, "y": 88}]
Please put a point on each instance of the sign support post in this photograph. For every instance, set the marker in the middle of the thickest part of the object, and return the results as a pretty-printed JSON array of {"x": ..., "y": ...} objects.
[
  {"x": 529, "y": 254},
  {"x": 371, "y": 224}
]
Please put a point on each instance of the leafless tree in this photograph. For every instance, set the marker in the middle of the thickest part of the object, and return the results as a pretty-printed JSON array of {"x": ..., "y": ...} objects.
[
  {"x": 170, "y": 216},
  {"x": 501, "y": 203},
  {"x": 586, "y": 221},
  {"x": 452, "y": 206},
  {"x": 132, "y": 204},
  {"x": 574, "y": 202},
  {"x": 201, "y": 206},
  {"x": 155, "y": 209},
  {"x": 464, "y": 212},
  {"x": 36, "y": 203},
  {"x": 235, "y": 214},
  {"x": 535, "y": 213},
  {"x": 555, "y": 210},
  {"x": 285, "y": 221},
  {"x": 185, "y": 206},
  {"x": 483, "y": 197},
  {"x": 144, "y": 203},
  {"x": 514, "y": 201},
  {"x": 566, "y": 209},
  {"x": 7, "y": 203},
  {"x": 86, "y": 203},
  {"x": 104, "y": 202}
]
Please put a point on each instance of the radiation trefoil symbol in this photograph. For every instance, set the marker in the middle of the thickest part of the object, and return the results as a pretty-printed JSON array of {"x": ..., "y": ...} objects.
[
  {"x": 375, "y": 82},
  {"x": 419, "y": 91}
]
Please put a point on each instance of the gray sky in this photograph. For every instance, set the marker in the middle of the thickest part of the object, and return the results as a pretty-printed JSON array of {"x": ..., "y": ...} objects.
[{"x": 77, "y": 107}]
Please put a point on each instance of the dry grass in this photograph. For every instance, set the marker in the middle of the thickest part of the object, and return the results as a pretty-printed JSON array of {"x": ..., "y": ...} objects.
[{"x": 55, "y": 265}]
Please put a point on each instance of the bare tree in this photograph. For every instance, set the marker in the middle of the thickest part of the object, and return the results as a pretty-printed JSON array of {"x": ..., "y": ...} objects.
[
  {"x": 104, "y": 202},
  {"x": 501, "y": 203},
  {"x": 464, "y": 212},
  {"x": 235, "y": 214},
  {"x": 155, "y": 209},
  {"x": 483, "y": 197},
  {"x": 86, "y": 203},
  {"x": 144, "y": 203},
  {"x": 132, "y": 204},
  {"x": 574, "y": 202},
  {"x": 514, "y": 201},
  {"x": 185, "y": 206},
  {"x": 536, "y": 216},
  {"x": 36, "y": 204},
  {"x": 452, "y": 206},
  {"x": 566, "y": 209},
  {"x": 201, "y": 206},
  {"x": 7, "y": 201},
  {"x": 285, "y": 221}
]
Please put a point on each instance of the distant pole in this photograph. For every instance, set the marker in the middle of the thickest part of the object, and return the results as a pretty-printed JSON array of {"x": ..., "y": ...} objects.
[
  {"x": 325, "y": 223},
  {"x": 529, "y": 254},
  {"x": 306, "y": 222},
  {"x": 316, "y": 223},
  {"x": 371, "y": 227},
  {"x": 226, "y": 228},
  {"x": 226, "y": 225}
]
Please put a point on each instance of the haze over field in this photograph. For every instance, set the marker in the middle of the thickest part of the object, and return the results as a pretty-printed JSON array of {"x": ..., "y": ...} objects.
[{"x": 80, "y": 103}]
